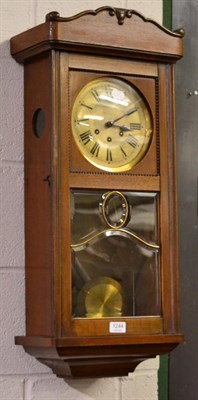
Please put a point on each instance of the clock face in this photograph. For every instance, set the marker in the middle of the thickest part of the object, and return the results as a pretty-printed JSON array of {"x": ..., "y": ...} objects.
[{"x": 111, "y": 124}]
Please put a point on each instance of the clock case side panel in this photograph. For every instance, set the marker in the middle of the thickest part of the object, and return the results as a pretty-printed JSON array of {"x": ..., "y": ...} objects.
[
  {"x": 40, "y": 179},
  {"x": 168, "y": 202}
]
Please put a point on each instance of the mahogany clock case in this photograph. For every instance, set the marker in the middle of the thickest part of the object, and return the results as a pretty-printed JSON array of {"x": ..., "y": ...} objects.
[{"x": 55, "y": 70}]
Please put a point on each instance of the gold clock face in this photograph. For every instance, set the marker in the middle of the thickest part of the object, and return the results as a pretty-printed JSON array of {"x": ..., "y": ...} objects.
[{"x": 111, "y": 124}]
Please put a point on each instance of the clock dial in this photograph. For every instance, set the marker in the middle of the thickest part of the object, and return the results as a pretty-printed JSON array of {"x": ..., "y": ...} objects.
[{"x": 111, "y": 124}]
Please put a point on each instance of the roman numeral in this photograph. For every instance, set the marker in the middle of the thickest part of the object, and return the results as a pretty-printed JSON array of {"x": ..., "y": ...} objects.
[
  {"x": 95, "y": 149},
  {"x": 123, "y": 152},
  {"x": 95, "y": 95},
  {"x": 108, "y": 90},
  {"x": 109, "y": 155},
  {"x": 86, "y": 106},
  {"x": 132, "y": 141},
  {"x": 85, "y": 137},
  {"x": 135, "y": 126},
  {"x": 82, "y": 120}
]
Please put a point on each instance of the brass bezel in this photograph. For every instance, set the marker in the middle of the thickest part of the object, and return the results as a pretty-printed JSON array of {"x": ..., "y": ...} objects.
[{"x": 125, "y": 208}]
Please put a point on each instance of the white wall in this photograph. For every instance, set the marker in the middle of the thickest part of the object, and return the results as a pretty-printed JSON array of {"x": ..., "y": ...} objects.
[{"x": 21, "y": 376}]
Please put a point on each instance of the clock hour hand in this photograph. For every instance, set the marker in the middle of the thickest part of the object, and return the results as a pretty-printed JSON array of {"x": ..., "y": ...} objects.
[
  {"x": 123, "y": 128},
  {"x": 109, "y": 124}
]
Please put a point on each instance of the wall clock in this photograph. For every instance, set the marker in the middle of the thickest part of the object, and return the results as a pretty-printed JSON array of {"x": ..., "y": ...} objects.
[{"x": 100, "y": 193}]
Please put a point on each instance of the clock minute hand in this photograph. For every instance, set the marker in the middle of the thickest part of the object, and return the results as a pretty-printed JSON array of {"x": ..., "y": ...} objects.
[{"x": 129, "y": 112}]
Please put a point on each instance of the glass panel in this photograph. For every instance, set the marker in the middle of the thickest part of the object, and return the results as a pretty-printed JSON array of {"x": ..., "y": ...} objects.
[{"x": 115, "y": 254}]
